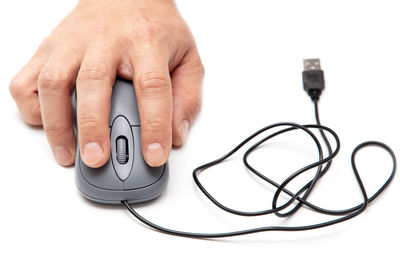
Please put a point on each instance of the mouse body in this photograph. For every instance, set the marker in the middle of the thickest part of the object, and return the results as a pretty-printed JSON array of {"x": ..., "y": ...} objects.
[{"x": 125, "y": 176}]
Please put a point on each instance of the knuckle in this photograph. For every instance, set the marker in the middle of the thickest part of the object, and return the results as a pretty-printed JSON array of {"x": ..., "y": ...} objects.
[
  {"x": 201, "y": 68},
  {"x": 198, "y": 67},
  {"x": 45, "y": 44},
  {"x": 17, "y": 87},
  {"x": 183, "y": 29},
  {"x": 102, "y": 28},
  {"x": 33, "y": 116},
  {"x": 150, "y": 31},
  {"x": 89, "y": 122},
  {"x": 27, "y": 100},
  {"x": 153, "y": 82},
  {"x": 33, "y": 119},
  {"x": 194, "y": 106},
  {"x": 92, "y": 71},
  {"x": 52, "y": 77},
  {"x": 154, "y": 126},
  {"x": 55, "y": 131}
]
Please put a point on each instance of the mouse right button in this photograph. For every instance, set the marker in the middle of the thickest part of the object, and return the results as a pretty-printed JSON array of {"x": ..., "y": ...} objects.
[{"x": 142, "y": 175}]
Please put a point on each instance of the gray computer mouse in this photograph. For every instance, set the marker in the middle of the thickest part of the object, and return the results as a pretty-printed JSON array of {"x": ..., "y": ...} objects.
[{"x": 125, "y": 176}]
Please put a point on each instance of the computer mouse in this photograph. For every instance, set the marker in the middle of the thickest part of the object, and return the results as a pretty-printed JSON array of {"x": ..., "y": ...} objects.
[{"x": 125, "y": 176}]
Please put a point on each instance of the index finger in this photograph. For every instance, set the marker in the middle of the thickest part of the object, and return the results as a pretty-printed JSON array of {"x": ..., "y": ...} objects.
[{"x": 94, "y": 86}]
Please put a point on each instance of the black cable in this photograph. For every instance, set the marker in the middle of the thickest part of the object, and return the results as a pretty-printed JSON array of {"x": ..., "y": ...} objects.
[{"x": 322, "y": 166}]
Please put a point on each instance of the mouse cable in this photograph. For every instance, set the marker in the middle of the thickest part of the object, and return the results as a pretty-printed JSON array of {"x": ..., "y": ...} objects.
[{"x": 313, "y": 81}]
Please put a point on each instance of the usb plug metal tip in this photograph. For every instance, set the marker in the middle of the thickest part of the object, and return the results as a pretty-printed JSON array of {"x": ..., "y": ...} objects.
[{"x": 312, "y": 64}]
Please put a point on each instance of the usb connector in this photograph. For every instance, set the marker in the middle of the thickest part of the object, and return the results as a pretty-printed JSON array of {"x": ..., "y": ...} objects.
[
  {"x": 313, "y": 78},
  {"x": 312, "y": 64}
]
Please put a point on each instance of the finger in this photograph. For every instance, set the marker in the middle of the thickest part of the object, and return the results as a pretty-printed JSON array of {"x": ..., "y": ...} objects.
[
  {"x": 187, "y": 81},
  {"x": 55, "y": 83},
  {"x": 23, "y": 88},
  {"x": 94, "y": 86},
  {"x": 153, "y": 90}
]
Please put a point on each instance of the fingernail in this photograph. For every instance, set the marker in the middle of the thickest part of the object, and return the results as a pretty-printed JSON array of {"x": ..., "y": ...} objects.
[
  {"x": 155, "y": 154},
  {"x": 92, "y": 153},
  {"x": 183, "y": 129},
  {"x": 63, "y": 155}
]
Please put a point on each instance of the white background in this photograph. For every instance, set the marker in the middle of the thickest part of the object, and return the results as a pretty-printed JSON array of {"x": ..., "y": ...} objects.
[{"x": 253, "y": 52}]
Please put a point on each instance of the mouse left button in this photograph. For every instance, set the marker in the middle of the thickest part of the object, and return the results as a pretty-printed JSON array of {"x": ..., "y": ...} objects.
[{"x": 103, "y": 177}]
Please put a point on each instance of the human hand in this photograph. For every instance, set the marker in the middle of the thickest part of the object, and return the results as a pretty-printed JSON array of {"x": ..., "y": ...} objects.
[{"x": 146, "y": 41}]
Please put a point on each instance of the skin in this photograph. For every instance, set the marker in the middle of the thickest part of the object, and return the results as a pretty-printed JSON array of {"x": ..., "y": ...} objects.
[{"x": 146, "y": 41}]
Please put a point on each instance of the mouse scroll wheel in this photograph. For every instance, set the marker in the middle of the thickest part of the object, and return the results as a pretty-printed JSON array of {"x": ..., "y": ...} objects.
[{"x": 122, "y": 150}]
